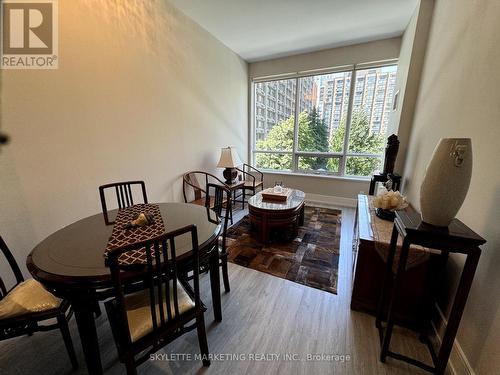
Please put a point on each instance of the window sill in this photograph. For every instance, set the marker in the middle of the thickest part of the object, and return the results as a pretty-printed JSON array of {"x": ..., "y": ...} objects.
[{"x": 331, "y": 177}]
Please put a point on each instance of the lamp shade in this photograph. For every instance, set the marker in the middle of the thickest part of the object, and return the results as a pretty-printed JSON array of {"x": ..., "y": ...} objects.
[{"x": 229, "y": 158}]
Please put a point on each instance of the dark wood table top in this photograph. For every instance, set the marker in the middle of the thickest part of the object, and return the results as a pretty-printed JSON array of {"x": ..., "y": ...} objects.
[
  {"x": 295, "y": 200},
  {"x": 74, "y": 255}
]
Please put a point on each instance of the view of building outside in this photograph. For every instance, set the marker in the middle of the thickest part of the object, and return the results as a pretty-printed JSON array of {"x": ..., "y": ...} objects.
[{"x": 322, "y": 116}]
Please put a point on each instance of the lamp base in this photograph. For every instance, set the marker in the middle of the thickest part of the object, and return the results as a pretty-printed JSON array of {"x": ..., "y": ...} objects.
[{"x": 230, "y": 175}]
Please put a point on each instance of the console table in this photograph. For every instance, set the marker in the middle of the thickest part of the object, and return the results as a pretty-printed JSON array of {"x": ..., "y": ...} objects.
[
  {"x": 456, "y": 238},
  {"x": 371, "y": 250}
]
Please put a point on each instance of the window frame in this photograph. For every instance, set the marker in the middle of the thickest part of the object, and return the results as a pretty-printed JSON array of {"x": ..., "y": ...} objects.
[{"x": 295, "y": 153}]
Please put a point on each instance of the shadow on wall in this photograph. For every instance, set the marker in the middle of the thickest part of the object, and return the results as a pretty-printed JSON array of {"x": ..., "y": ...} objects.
[
  {"x": 154, "y": 22},
  {"x": 484, "y": 305}
]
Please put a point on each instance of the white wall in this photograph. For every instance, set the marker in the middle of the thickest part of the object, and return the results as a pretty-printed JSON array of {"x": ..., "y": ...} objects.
[
  {"x": 142, "y": 92},
  {"x": 459, "y": 97},
  {"x": 355, "y": 54}
]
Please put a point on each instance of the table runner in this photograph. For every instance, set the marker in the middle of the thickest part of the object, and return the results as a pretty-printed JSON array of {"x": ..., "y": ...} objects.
[
  {"x": 123, "y": 235},
  {"x": 382, "y": 230}
]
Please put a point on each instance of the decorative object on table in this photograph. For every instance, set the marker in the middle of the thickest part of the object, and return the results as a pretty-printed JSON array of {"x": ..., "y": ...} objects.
[
  {"x": 310, "y": 259},
  {"x": 230, "y": 160},
  {"x": 446, "y": 181},
  {"x": 143, "y": 219},
  {"x": 276, "y": 194},
  {"x": 125, "y": 234},
  {"x": 391, "y": 152},
  {"x": 387, "y": 202}
]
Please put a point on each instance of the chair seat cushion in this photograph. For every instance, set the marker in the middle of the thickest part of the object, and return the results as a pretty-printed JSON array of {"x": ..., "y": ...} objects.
[
  {"x": 138, "y": 309},
  {"x": 27, "y": 297}
]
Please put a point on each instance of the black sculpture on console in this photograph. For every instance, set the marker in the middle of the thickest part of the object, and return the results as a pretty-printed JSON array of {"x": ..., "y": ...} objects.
[{"x": 391, "y": 180}]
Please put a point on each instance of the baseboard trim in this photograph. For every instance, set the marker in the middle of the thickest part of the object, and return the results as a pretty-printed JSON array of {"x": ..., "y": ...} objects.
[
  {"x": 328, "y": 201},
  {"x": 458, "y": 364}
]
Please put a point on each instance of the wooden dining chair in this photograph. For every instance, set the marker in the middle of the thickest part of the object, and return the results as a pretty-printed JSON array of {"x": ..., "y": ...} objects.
[
  {"x": 253, "y": 180},
  {"x": 196, "y": 193},
  {"x": 28, "y": 303},
  {"x": 143, "y": 321},
  {"x": 124, "y": 196},
  {"x": 221, "y": 195}
]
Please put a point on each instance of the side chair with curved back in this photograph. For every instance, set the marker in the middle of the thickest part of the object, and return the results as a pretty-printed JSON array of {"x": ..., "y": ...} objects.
[
  {"x": 145, "y": 320},
  {"x": 124, "y": 196},
  {"x": 220, "y": 197},
  {"x": 28, "y": 303}
]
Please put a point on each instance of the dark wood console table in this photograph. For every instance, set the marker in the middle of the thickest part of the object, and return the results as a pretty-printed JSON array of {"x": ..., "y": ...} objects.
[
  {"x": 371, "y": 251},
  {"x": 456, "y": 238}
]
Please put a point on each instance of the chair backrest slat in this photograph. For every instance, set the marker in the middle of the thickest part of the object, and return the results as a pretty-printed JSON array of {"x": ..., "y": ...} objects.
[
  {"x": 13, "y": 265},
  {"x": 124, "y": 196},
  {"x": 221, "y": 201},
  {"x": 161, "y": 272}
]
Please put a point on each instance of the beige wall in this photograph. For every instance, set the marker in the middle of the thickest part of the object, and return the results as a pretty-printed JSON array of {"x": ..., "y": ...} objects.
[
  {"x": 142, "y": 92},
  {"x": 355, "y": 54},
  {"x": 411, "y": 59},
  {"x": 459, "y": 97}
]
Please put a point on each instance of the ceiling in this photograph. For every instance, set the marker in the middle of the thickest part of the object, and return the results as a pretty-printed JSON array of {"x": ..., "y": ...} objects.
[{"x": 263, "y": 29}]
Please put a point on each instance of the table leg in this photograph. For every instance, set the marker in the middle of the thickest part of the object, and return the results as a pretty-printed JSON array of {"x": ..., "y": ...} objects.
[
  {"x": 84, "y": 315},
  {"x": 397, "y": 281},
  {"x": 301, "y": 216},
  {"x": 457, "y": 309},
  {"x": 387, "y": 277},
  {"x": 215, "y": 284}
]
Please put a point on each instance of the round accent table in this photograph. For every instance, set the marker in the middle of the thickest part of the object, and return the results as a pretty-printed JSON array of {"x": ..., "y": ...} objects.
[{"x": 265, "y": 215}]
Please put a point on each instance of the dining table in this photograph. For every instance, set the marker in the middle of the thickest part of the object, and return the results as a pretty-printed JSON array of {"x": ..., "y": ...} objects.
[{"x": 70, "y": 263}]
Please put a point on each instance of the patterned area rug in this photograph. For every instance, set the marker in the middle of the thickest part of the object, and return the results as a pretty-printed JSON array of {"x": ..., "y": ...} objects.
[{"x": 311, "y": 259}]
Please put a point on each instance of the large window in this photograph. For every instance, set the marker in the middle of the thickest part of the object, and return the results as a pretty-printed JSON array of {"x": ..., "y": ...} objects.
[{"x": 311, "y": 124}]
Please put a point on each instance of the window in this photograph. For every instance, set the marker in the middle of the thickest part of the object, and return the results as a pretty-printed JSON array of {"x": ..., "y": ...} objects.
[{"x": 320, "y": 128}]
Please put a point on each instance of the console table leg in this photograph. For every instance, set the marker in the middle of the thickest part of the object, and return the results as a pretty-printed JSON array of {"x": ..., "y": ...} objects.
[
  {"x": 457, "y": 309},
  {"x": 387, "y": 277},
  {"x": 390, "y": 318}
]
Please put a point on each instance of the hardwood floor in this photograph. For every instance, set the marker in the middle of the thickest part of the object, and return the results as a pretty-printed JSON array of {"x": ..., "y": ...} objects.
[{"x": 261, "y": 315}]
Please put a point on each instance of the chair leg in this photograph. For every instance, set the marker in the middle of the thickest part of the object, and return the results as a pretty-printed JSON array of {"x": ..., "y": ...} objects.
[
  {"x": 243, "y": 200},
  {"x": 225, "y": 275},
  {"x": 97, "y": 309},
  {"x": 202, "y": 339},
  {"x": 130, "y": 366},
  {"x": 63, "y": 326}
]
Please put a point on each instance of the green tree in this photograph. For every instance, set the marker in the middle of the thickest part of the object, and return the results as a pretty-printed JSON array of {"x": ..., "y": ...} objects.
[
  {"x": 313, "y": 136},
  {"x": 361, "y": 140}
]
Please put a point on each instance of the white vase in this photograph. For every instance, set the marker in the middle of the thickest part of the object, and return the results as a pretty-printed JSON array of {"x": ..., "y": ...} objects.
[{"x": 446, "y": 181}]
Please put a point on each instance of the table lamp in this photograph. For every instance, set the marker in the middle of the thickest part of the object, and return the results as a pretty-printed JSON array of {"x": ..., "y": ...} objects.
[{"x": 229, "y": 159}]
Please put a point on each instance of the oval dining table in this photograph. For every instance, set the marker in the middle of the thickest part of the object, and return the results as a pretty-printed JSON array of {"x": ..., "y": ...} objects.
[{"x": 70, "y": 263}]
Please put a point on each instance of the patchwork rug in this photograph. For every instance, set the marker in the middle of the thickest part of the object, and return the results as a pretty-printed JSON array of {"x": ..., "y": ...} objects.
[{"x": 311, "y": 259}]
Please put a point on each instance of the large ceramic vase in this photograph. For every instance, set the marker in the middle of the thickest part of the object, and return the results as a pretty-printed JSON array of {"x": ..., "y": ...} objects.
[{"x": 446, "y": 181}]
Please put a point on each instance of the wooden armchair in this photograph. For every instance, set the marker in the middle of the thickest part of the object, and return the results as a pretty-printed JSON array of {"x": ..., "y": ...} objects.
[
  {"x": 196, "y": 193},
  {"x": 253, "y": 180},
  {"x": 27, "y": 304}
]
